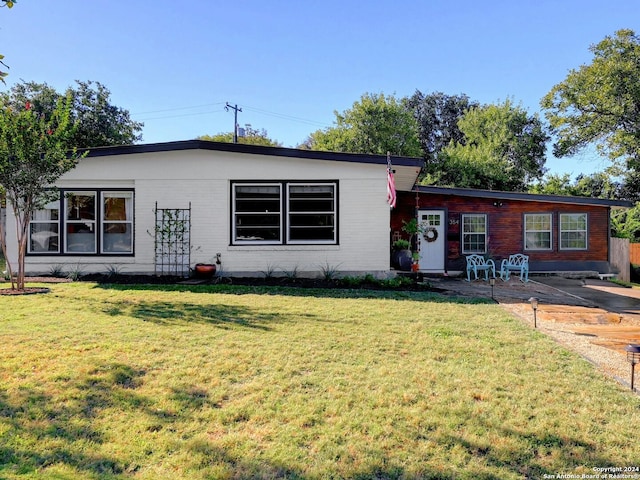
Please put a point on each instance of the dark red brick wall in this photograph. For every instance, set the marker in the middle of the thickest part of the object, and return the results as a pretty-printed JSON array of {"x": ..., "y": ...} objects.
[{"x": 506, "y": 226}]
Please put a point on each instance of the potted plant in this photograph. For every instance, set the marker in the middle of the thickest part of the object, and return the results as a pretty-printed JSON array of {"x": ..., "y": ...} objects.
[
  {"x": 412, "y": 227},
  {"x": 401, "y": 258},
  {"x": 204, "y": 270},
  {"x": 207, "y": 270},
  {"x": 415, "y": 257}
]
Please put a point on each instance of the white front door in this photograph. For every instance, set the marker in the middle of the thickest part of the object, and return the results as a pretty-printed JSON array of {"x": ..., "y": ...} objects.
[{"x": 431, "y": 240}]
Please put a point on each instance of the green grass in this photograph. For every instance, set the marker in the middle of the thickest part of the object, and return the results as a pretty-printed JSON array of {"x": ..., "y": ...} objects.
[
  {"x": 151, "y": 382},
  {"x": 622, "y": 283}
]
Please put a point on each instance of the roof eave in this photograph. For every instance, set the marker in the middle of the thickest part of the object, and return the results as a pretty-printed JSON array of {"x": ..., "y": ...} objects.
[
  {"x": 252, "y": 149},
  {"x": 519, "y": 196}
]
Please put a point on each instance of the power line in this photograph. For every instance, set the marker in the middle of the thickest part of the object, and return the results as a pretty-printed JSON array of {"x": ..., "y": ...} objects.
[
  {"x": 178, "y": 116},
  {"x": 286, "y": 117},
  {"x": 260, "y": 111},
  {"x": 179, "y": 108}
]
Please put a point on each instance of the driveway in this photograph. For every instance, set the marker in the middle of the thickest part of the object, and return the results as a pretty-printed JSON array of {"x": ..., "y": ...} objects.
[{"x": 601, "y": 293}]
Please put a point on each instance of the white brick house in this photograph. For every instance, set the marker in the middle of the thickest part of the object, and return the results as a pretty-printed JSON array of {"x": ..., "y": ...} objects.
[{"x": 260, "y": 208}]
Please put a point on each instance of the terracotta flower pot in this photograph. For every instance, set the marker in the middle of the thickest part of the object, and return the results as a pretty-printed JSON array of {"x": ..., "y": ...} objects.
[{"x": 204, "y": 270}]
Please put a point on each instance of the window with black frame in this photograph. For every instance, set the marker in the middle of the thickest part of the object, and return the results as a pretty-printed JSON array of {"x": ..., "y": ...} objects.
[
  {"x": 92, "y": 222},
  {"x": 312, "y": 213},
  {"x": 80, "y": 222},
  {"x": 284, "y": 212},
  {"x": 257, "y": 214},
  {"x": 44, "y": 229}
]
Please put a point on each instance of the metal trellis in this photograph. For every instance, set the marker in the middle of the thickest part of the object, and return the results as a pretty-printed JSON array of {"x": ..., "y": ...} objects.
[{"x": 173, "y": 241}]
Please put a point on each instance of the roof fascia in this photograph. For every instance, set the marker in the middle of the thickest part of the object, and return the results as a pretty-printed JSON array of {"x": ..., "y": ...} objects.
[
  {"x": 526, "y": 197},
  {"x": 253, "y": 150}
]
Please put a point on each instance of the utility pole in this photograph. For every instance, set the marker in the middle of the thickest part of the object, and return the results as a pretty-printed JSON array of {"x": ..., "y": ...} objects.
[{"x": 235, "y": 119}]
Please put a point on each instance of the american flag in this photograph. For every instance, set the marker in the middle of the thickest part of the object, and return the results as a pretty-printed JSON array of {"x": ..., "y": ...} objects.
[{"x": 391, "y": 188}]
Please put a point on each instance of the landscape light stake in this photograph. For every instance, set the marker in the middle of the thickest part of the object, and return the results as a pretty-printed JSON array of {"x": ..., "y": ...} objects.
[
  {"x": 534, "y": 305},
  {"x": 492, "y": 282},
  {"x": 633, "y": 356}
]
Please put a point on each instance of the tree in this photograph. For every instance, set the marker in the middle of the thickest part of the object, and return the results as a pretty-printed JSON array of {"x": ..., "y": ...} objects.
[
  {"x": 553, "y": 184},
  {"x": 99, "y": 123},
  {"x": 626, "y": 223},
  {"x": 503, "y": 149},
  {"x": 251, "y": 136},
  {"x": 437, "y": 115},
  {"x": 376, "y": 124},
  {"x": 9, "y": 4},
  {"x": 597, "y": 185},
  {"x": 34, "y": 152},
  {"x": 600, "y": 103}
]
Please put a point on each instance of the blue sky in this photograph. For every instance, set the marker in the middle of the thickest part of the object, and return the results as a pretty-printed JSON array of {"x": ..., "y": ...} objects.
[{"x": 290, "y": 64}]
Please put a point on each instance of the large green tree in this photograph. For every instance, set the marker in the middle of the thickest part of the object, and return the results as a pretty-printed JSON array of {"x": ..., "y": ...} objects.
[
  {"x": 35, "y": 150},
  {"x": 599, "y": 103},
  {"x": 598, "y": 185},
  {"x": 438, "y": 115},
  {"x": 99, "y": 122},
  {"x": 625, "y": 223},
  {"x": 503, "y": 149},
  {"x": 376, "y": 124},
  {"x": 251, "y": 136}
]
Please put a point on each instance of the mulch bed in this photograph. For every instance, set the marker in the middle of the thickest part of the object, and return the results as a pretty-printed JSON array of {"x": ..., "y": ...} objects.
[
  {"x": 26, "y": 291},
  {"x": 335, "y": 283}
]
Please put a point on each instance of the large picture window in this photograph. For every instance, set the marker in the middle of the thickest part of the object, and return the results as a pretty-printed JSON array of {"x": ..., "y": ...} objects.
[
  {"x": 573, "y": 231},
  {"x": 537, "y": 231},
  {"x": 474, "y": 233},
  {"x": 92, "y": 222},
  {"x": 284, "y": 212}
]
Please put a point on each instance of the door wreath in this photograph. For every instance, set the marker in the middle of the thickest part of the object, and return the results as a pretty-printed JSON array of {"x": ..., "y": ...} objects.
[{"x": 431, "y": 234}]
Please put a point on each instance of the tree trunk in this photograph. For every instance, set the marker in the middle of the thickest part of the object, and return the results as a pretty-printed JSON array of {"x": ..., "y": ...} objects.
[
  {"x": 23, "y": 226},
  {"x": 3, "y": 244}
]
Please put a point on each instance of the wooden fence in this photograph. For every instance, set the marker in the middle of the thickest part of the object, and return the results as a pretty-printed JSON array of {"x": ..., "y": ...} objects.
[
  {"x": 634, "y": 253},
  {"x": 619, "y": 258}
]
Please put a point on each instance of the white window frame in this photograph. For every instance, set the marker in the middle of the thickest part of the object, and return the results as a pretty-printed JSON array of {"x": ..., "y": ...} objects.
[
  {"x": 127, "y": 222},
  {"x": 285, "y": 213},
  {"x": 93, "y": 224},
  {"x": 585, "y": 231},
  {"x": 234, "y": 221},
  {"x": 35, "y": 221},
  {"x": 550, "y": 231},
  {"x": 333, "y": 212},
  {"x": 97, "y": 225},
  {"x": 466, "y": 216}
]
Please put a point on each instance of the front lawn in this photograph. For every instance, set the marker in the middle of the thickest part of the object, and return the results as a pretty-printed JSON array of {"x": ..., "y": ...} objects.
[{"x": 165, "y": 382}]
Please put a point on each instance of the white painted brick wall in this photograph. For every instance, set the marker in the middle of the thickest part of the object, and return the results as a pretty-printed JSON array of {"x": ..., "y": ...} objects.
[{"x": 174, "y": 179}]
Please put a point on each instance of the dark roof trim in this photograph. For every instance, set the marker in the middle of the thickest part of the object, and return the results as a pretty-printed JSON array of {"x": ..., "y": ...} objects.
[
  {"x": 254, "y": 150},
  {"x": 527, "y": 197}
]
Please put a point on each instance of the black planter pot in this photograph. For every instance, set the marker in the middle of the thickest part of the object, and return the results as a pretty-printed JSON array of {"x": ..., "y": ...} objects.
[{"x": 402, "y": 260}]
